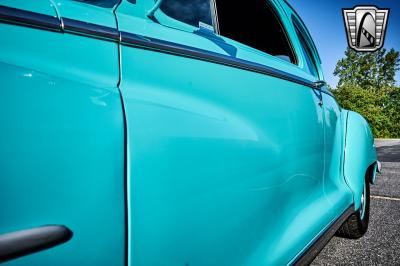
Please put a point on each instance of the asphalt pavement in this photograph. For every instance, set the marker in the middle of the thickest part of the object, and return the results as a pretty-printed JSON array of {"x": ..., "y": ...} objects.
[{"x": 381, "y": 244}]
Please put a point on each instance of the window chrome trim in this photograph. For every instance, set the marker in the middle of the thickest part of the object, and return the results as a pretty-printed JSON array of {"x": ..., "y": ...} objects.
[
  {"x": 27, "y": 18},
  {"x": 149, "y": 43},
  {"x": 214, "y": 16}
]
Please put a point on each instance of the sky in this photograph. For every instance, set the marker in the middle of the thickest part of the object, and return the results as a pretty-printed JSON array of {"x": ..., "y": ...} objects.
[{"x": 324, "y": 20}]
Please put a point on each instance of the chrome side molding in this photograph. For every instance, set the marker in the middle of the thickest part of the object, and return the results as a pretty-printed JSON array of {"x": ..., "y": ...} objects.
[
  {"x": 89, "y": 29},
  {"x": 29, "y": 19},
  {"x": 46, "y": 22},
  {"x": 130, "y": 39}
]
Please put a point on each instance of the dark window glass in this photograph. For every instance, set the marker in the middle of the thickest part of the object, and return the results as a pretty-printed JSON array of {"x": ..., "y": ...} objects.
[
  {"x": 308, "y": 54},
  {"x": 101, "y": 3},
  {"x": 188, "y": 11},
  {"x": 255, "y": 24}
]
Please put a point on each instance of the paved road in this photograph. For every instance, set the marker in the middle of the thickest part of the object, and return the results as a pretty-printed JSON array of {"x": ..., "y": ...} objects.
[{"x": 381, "y": 244}]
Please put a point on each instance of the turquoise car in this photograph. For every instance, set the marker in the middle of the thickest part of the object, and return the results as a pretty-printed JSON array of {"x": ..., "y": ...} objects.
[{"x": 172, "y": 132}]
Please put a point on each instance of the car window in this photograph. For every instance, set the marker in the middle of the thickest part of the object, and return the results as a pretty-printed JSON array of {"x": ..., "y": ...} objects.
[
  {"x": 254, "y": 23},
  {"x": 192, "y": 12},
  {"x": 310, "y": 61},
  {"x": 307, "y": 45}
]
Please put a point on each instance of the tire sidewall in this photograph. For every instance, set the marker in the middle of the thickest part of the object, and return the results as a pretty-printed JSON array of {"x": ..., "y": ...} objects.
[{"x": 364, "y": 221}]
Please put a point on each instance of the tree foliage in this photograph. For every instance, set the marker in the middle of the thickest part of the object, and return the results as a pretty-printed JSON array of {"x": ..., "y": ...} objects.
[
  {"x": 376, "y": 70},
  {"x": 391, "y": 105},
  {"x": 367, "y": 86}
]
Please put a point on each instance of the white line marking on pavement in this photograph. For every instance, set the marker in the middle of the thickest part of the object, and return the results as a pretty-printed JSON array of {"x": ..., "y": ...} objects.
[{"x": 385, "y": 198}]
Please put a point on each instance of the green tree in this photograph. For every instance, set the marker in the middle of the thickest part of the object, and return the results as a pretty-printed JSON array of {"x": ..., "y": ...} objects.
[
  {"x": 366, "y": 103},
  {"x": 367, "y": 86},
  {"x": 368, "y": 70},
  {"x": 391, "y": 104}
]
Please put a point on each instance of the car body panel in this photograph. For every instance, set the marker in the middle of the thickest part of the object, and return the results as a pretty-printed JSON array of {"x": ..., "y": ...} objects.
[
  {"x": 216, "y": 151},
  {"x": 44, "y": 7},
  {"x": 86, "y": 12},
  {"x": 204, "y": 161},
  {"x": 62, "y": 144},
  {"x": 335, "y": 184},
  {"x": 359, "y": 154},
  {"x": 212, "y": 159}
]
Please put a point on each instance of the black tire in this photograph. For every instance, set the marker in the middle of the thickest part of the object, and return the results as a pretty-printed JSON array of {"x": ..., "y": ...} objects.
[{"x": 357, "y": 224}]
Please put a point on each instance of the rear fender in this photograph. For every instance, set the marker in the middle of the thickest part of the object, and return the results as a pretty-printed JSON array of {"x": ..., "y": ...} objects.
[{"x": 360, "y": 158}]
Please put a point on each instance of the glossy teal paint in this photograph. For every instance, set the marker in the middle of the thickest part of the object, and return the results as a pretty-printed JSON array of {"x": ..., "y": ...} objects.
[
  {"x": 213, "y": 175},
  {"x": 86, "y": 12},
  {"x": 45, "y": 7},
  {"x": 62, "y": 144},
  {"x": 359, "y": 153},
  {"x": 224, "y": 166},
  {"x": 336, "y": 189},
  {"x": 206, "y": 167}
]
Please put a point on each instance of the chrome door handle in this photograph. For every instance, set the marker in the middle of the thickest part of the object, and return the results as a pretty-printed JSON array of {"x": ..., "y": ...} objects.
[
  {"x": 318, "y": 85},
  {"x": 24, "y": 242}
]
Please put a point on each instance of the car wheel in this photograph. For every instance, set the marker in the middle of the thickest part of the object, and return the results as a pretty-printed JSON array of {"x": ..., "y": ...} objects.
[{"x": 357, "y": 224}]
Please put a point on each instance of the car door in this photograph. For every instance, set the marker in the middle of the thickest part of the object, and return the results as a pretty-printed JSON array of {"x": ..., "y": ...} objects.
[
  {"x": 225, "y": 144},
  {"x": 337, "y": 192},
  {"x": 293, "y": 59},
  {"x": 62, "y": 137}
]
